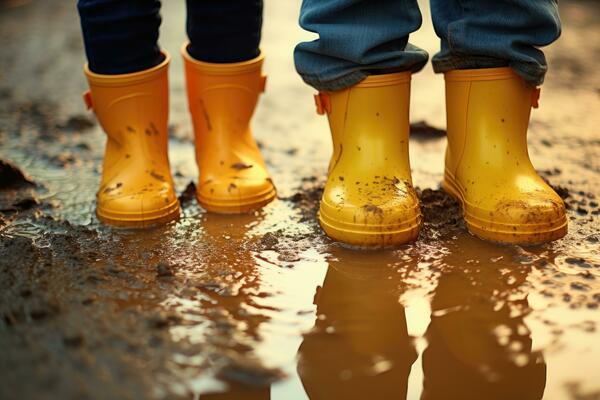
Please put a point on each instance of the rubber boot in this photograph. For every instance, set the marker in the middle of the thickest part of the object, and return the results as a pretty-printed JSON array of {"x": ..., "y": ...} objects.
[
  {"x": 137, "y": 188},
  {"x": 369, "y": 200},
  {"x": 487, "y": 164},
  {"x": 222, "y": 98}
]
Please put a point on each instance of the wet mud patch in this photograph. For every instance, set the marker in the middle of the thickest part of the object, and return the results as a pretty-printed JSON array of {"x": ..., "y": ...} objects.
[
  {"x": 12, "y": 177},
  {"x": 76, "y": 123},
  {"x": 421, "y": 130},
  {"x": 18, "y": 192},
  {"x": 118, "y": 311},
  {"x": 306, "y": 199},
  {"x": 442, "y": 214}
]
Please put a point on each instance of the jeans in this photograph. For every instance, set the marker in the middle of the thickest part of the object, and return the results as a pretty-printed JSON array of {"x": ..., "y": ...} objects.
[
  {"x": 122, "y": 36},
  {"x": 358, "y": 38}
]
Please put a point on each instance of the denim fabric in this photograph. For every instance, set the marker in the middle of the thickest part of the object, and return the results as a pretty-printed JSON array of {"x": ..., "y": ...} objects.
[
  {"x": 121, "y": 36},
  {"x": 224, "y": 31},
  {"x": 495, "y": 33},
  {"x": 361, "y": 37},
  {"x": 357, "y": 38}
]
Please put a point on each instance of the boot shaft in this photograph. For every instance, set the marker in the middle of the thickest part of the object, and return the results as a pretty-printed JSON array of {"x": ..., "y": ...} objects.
[
  {"x": 370, "y": 123},
  {"x": 133, "y": 110},
  {"x": 488, "y": 113},
  {"x": 222, "y": 97},
  {"x": 131, "y": 103}
]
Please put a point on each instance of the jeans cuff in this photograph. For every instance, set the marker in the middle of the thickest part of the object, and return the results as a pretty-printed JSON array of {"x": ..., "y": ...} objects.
[
  {"x": 533, "y": 74},
  {"x": 336, "y": 84}
]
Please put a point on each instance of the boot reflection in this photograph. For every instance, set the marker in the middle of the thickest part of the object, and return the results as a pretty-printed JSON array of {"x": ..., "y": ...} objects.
[
  {"x": 479, "y": 346},
  {"x": 359, "y": 347}
]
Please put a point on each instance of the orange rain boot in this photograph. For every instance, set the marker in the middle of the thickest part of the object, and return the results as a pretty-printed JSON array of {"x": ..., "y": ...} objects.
[
  {"x": 222, "y": 98},
  {"x": 487, "y": 163},
  {"x": 136, "y": 189},
  {"x": 369, "y": 200}
]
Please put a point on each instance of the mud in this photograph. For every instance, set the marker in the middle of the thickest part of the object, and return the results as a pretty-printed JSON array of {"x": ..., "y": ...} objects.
[
  {"x": 17, "y": 191},
  {"x": 423, "y": 131},
  {"x": 264, "y": 305}
]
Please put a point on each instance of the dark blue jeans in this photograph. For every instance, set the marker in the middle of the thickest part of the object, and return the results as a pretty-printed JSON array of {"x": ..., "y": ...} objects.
[
  {"x": 361, "y": 37},
  {"x": 121, "y": 36}
]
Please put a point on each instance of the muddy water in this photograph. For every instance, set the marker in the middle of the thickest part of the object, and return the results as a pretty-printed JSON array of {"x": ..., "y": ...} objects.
[{"x": 264, "y": 305}]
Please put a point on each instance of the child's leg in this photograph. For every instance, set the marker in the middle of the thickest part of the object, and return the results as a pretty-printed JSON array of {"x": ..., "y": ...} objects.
[
  {"x": 357, "y": 38},
  {"x": 120, "y": 36},
  {"x": 224, "y": 31},
  {"x": 492, "y": 63},
  {"x": 223, "y": 66},
  {"x": 495, "y": 33}
]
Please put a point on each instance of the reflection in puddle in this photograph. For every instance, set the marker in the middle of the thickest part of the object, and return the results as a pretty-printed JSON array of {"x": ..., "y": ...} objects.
[
  {"x": 359, "y": 346},
  {"x": 478, "y": 344}
]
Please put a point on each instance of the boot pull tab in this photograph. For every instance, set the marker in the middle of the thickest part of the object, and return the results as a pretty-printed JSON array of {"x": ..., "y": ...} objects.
[
  {"x": 263, "y": 83},
  {"x": 535, "y": 97},
  {"x": 87, "y": 99},
  {"x": 323, "y": 103}
]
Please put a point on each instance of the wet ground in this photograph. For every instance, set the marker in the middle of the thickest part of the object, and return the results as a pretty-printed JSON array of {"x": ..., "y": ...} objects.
[{"x": 264, "y": 305}]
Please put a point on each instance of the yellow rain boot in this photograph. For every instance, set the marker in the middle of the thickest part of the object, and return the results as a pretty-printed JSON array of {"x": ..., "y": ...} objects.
[
  {"x": 369, "y": 200},
  {"x": 136, "y": 189},
  {"x": 222, "y": 98},
  {"x": 487, "y": 164}
]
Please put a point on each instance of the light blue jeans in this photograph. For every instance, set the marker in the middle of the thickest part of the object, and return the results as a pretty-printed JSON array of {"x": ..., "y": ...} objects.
[{"x": 358, "y": 38}]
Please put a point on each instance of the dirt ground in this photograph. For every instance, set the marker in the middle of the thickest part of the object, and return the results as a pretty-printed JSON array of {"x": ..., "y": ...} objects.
[{"x": 264, "y": 305}]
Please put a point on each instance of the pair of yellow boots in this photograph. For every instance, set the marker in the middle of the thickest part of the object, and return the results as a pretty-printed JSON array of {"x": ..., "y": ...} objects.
[
  {"x": 369, "y": 200},
  {"x": 137, "y": 187}
]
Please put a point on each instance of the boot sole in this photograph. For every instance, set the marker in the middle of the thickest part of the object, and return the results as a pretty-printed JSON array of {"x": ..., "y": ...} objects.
[
  {"x": 375, "y": 236},
  {"x": 530, "y": 234},
  {"x": 236, "y": 206},
  {"x": 139, "y": 220}
]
